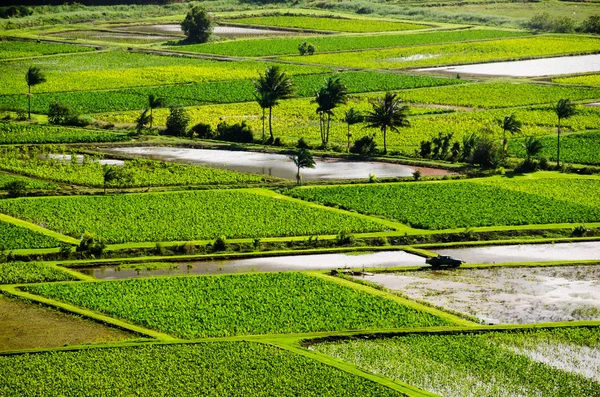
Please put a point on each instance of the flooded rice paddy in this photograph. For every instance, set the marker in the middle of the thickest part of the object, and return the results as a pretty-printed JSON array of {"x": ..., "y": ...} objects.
[
  {"x": 529, "y": 68},
  {"x": 506, "y": 295},
  {"x": 277, "y": 165},
  {"x": 526, "y": 253},
  {"x": 232, "y": 31},
  {"x": 79, "y": 158},
  {"x": 273, "y": 264}
]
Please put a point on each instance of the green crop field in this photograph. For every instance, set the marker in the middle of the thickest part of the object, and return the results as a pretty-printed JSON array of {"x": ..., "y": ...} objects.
[
  {"x": 574, "y": 148},
  {"x": 327, "y": 24},
  {"x": 498, "y": 95},
  {"x": 457, "y": 53},
  {"x": 294, "y": 119},
  {"x": 486, "y": 202},
  {"x": 289, "y": 45},
  {"x": 587, "y": 80},
  {"x": 134, "y": 173},
  {"x": 548, "y": 363},
  {"x": 13, "y": 133},
  {"x": 22, "y": 49},
  {"x": 16, "y": 237},
  {"x": 213, "y": 92},
  {"x": 31, "y": 272},
  {"x": 191, "y": 216},
  {"x": 211, "y": 369},
  {"x": 266, "y": 303},
  {"x": 119, "y": 69},
  {"x": 6, "y": 179}
]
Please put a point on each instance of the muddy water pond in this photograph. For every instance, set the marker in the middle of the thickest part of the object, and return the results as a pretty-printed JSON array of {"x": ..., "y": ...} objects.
[
  {"x": 506, "y": 295},
  {"x": 526, "y": 253},
  {"x": 67, "y": 158},
  {"x": 529, "y": 68},
  {"x": 278, "y": 165},
  {"x": 383, "y": 259},
  {"x": 231, "y": 31}
]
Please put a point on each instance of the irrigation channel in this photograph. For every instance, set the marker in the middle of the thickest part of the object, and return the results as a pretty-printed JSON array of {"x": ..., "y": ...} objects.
[
  {"x": 278, "y": 165},
  {"x": 528, "y": 68},
  {"x": 381, "y": 259},
  {"x": 269, "y": 264}
]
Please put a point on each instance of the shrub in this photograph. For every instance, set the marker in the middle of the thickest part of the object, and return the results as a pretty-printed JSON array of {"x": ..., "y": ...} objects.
[
  {"x": 528, "y": 165},
  {"x": 220, "y": 244},
  {"x": 592, "y": 24},
  {"x": 15, "y": 11},
  {"x": 16, "y": 188},
  {"x": 416, "y": 175},
  {"x": 61, "y": 114},
  {"x": 177, "y": 121},
  {"x": 302, "y": 144},
  {"x": 486, "y": 153},
  {"x": 345, "y": 238},
  {"x": 544, "y": 164},
  {"x": 580, "y": 231},
  {"x": 91, "y": 244},
  {"x": 239, "y": 132},
  {"x": 364, "y": 146},
  {"x": 202, "y": 131}
]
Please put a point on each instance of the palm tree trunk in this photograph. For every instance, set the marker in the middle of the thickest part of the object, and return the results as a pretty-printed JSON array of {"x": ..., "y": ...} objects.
[
  {"x": 348, "y": 148},
  {"x": 298, "y": 177},
  {"x": 558, "y": 146},
  {"x": 384, "y": 140},
  {"x": 270, "y": 122},
  {"x": 504, "y": 143},
  {"x": 263, "y": 126},
  {"x": 328, "y": 125},
  {"x": 29, "y": 102},
  {"x": 322, "y": 128}
]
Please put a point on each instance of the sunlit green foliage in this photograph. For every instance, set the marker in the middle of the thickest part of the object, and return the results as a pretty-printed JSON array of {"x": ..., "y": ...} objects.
[
  {"x": 16, "y": 237},
  {"x": 264, "y": 303},
  {"x": 6, "y": 179},
  {"x": 550, "y": 363},
  {"x": 134, "y": 173},
  {"x": 213, "y": 92},
  {"x": 486, "y": 202},
  {"x": 458, "y": 53},
  {"x": 21, "y": 49},
  {"x": 30, "y": 272},
  {"x": 589, "y": 80},
  {"x": 289, "y": 45},
  {"x": 181, "y": 216},
  {"x": 11, "y": 133},
  {"x": 574, "y": 148},
  {"x": 327, "y": 24},
  {"x": 236, "y": 369}
]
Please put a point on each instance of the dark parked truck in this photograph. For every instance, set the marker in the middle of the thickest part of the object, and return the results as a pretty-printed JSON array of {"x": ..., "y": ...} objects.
[{"x": 440, "y": 261}]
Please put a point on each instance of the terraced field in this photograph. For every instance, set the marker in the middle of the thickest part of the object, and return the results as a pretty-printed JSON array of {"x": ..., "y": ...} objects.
[
  {"x": 16, "y": 237},
  {"x": 18, "y": 133}
]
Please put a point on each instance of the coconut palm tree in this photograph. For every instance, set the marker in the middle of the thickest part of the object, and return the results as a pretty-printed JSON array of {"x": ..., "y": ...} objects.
[
  {"x": 563, "y": 109},
  {"x": 274, "y": 85},
  {"x": 388, "y": 113},
  {"x": 33, "y": 77},
  {"x": 352, "y": 117},
  {"x": 303, "y": 159},
  {"x": 512, "y": 125},
  {"x": 109, "y": 174},
  {"x": 154, "y": 102},
  {"x": 532, "y": 146},
  {"x": 330, "y": 96},
  {"x": 142, "y": 120},
  {"x": 264, "y": 101}
]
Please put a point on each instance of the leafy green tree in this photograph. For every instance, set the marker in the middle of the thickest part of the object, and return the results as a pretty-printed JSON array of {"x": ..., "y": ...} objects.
[
  {"x": 592, "y": 24},
  {"x": 303, "y": 159},
  {"x": 33, "y": 77},
  {"x": 351, "y": 117},
  {"x": 486, "y": 153},
  {"x": 388, "y": 113},
  {"x": 142, "y": 121},
  {"x": 197, "y": 25},
  {"x": 512, "y": 125},
  {"x": 273, "y": 86},
  {"x": 330, "y": 96},
  {"x": 563, "y": 109},
  {"x": 177, "y": 121},
  {"x": 153, "y": 103},
  {"x": 532, "y": 146}
]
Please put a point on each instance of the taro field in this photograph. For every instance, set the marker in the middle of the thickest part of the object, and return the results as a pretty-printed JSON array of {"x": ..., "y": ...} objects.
[{"x": 255, "y": 165}]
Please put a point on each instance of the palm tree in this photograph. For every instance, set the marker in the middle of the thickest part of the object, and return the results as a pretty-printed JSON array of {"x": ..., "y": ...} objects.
[
  {"x": 109, "y": 174},
  {"x": 264, "y": 101},
  {"x": 154, "y": 102},
  {"x": 564, "y": 109},
  {"x": 303, "y": 159},
  {"x": 512, "y": 125},
  {"x": 274, "y": 85},
  {"x": 352, "y": 117},
  {"x": 34, "y": 76},
  {"x": 142, "y": 120},
  {"x": 388, "y": 112},
  {"x": 330, "y": 96},
  {"x": 532, "y": 146}
]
